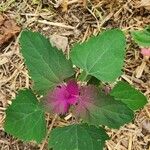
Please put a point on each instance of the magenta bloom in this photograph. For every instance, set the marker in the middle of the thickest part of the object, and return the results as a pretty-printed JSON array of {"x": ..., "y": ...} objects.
[
  {"x": 145, "y": 51},
  {"x": 60, "y": 99},
  {"x": 83, "y": 98},
  {"x": 87, "y": 101}
]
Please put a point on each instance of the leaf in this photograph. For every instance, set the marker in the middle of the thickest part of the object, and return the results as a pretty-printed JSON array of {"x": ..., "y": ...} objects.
[
  {"x": 96, "y": 108},
  {"x": 25, "y": 118},
  {"x": 128, "y": 95},
  {"x": 47, "y": 65},
  {"x": 94, "y": 81},
  {"x": 142, "y": 38},
  {"x": 101, "y": 56},
  {"x": 78, "y": 137}
]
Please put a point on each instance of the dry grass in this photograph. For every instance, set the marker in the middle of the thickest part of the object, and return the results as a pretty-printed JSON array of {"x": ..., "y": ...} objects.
[{"x": 78, "y": 24}]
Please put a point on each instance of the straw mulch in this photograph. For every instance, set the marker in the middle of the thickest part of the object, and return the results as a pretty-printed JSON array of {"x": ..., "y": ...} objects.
[{"x": 78, "y": 23}]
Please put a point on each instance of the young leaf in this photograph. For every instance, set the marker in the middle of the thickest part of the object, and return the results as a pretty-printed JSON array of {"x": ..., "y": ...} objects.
[
  {"x": 128, "y": 95},
  {"x": 78, "y": 137},
  {"x": 142, "y": 38},
  {"x": 96, "y": 108},
  {"x": 101, "y": 56},
  {"x": 47, "y": 65},
  {"x": 25, "y": 118}
]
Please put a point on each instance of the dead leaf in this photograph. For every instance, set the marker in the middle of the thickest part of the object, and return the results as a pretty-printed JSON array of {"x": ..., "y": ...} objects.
[
  {"x": 8, "y": 29},
  {"x": 61, "y": 42}
]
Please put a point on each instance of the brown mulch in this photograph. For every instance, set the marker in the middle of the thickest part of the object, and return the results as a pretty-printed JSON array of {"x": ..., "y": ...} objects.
[{"x": 77, "y": 24}]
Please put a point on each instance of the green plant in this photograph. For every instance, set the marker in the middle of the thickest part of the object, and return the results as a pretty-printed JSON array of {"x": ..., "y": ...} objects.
[{"x": 100, "y": 60}]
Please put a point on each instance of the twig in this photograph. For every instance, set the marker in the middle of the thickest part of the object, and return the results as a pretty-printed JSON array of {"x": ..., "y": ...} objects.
[
  {"x": 55, "y": 24},
  {"x": 48, "y": 132},
  {"x": 108, "y": 17},
  {"x": 140, "y": 69},
  {"x": 86, "y": 34},
  {"x": 130, "y": 142},
  {"x": 72, "y": 2},
  {"x": 147, "y": 112},
  {"x": 92, "y": 13},
  {"x": 65, "y": 5}
]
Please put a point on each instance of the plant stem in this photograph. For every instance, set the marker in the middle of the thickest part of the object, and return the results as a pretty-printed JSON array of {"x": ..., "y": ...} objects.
[
  {"x": 48, "y": 132},
  {"x": 83, "y": 77}
]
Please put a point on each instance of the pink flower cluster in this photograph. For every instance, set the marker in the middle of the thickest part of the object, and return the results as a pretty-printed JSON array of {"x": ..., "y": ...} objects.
[{"x": 64, "y": 95}]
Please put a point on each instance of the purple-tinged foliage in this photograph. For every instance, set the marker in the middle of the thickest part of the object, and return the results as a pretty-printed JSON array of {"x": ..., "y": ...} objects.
[
  {"x": 87, "y": 99},
  {"x": 61, "y": 97}
]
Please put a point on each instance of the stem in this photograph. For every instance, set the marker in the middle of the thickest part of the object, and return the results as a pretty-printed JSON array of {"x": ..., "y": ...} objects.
[
  {"x": 83, "y": 77},
  {"x": 48, "y": 132}
]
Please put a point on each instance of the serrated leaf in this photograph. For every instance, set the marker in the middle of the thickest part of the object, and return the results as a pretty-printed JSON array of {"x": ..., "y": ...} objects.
[
  {"x": 101, "y": 56},
  {"x": 133, "y": 98},
  {"x": 25, "y": 118},
  {"x": 142, "y": 38},
  {"x": 78, "y": 137},
  {"x": 47, "y": 65},
  {"x": 96, "y": 108}
]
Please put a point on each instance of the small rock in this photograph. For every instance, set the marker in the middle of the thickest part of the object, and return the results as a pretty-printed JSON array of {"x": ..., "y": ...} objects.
[
  {"x": 61, "y": 42},
  {"x": 146, "y": 125}
]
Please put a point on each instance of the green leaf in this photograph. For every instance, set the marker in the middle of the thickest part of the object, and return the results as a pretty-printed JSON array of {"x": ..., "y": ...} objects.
[
  {"x": 101, "y": 56},
  {"x": 96, "y": 108},
  {"x": 142, "y": 38},
  {"x": 47, "y": 65},
  {"x": 110, "y": 113},
  {"x": 78, "y": 137},
  {"x": 133, "y": 98},
  {"x": 25, "y": 118},
  {"x": 94, "y": 81}
]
